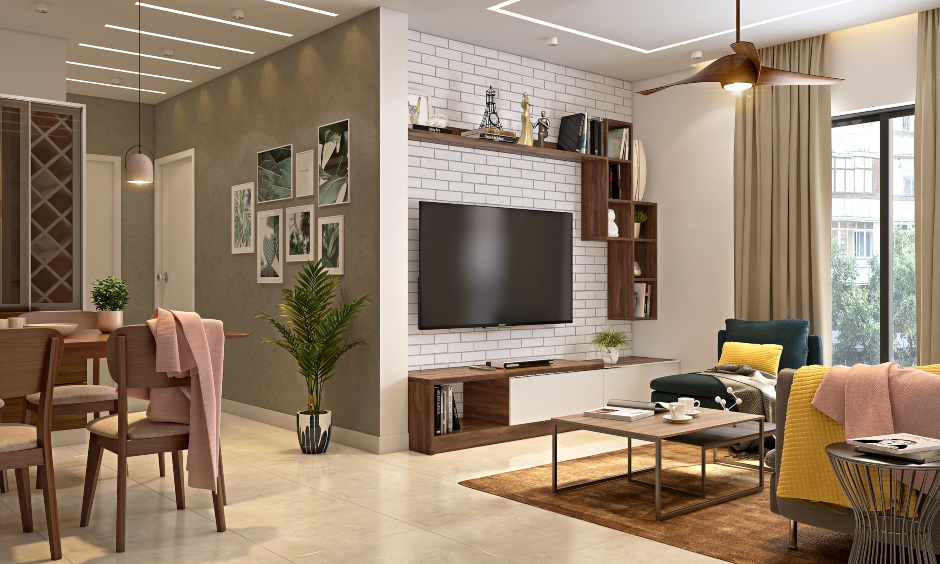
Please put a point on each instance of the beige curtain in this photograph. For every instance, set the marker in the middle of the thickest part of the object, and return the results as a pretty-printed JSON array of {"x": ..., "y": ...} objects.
[
  {"x": 783, "y": 194},
  {"x": 926, "y": 185}
]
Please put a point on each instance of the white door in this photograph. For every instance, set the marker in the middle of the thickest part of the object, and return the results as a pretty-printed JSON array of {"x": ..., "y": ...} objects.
[
  {"x": 175, "y": 236},
  {"x": 102, "y": 222}
]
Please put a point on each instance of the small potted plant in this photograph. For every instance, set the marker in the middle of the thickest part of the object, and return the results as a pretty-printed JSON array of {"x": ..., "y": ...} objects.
[
  {"x": 312, "y": 331},
  {"x": 608, "y": 343},
  {"x": 110, "y": 297},
  {"x": 639, "y": 216}
]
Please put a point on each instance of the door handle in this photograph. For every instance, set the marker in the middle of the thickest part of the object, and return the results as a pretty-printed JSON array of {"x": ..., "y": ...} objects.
[{"x": 162, "y": 277}]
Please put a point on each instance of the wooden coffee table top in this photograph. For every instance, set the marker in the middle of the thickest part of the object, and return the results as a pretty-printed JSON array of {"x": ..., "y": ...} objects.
[{"x": 655, "y": 427}]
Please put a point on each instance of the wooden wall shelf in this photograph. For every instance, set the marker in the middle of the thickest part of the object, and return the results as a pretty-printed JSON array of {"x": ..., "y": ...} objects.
[{"x": 550, "y": 151}]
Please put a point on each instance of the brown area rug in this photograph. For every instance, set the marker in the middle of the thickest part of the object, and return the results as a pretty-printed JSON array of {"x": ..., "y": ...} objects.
[{"x": 743, "y": 530}]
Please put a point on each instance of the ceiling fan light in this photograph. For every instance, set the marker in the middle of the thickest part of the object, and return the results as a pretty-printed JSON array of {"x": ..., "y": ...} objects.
[
  {"x": 737, "y": 86},
  {"x": 138, "y": 169}
]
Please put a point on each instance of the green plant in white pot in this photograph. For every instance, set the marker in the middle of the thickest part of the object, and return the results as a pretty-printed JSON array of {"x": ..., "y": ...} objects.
[
  {"x": 639, "y": 217},
  {"x": 110, "y": 297},
  {"x": 312, "y": 329},
  {"x": 608, "y": 344}
]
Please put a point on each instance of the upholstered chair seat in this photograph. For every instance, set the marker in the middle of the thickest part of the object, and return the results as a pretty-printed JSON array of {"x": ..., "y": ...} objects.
[
  {"x": 15, "y": 436},
  {"x": 82, "y": 393},
  {"x": 138, "y": 427}
]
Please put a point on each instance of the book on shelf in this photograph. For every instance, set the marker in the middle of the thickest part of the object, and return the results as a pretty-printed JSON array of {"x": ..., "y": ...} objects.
[
  {"x": 438, "y": 409},
  {"x": 449, "y": 415},
  {"x": 489, "y": 131},
  {"x": 429, "y": 128},
  {"x": 455, "y": 416},
  {"x": 619, "y": 413},
  {"x": 642, "y": 299},
  {"x": 446, "y": 419},
  {"x": 569, "y": 132},
  {"x": 616, "y": 182},
  {"x": 897, "y": 443},
  {"x": 597, "y": 132},
  {"x": 585, "y": 128}
]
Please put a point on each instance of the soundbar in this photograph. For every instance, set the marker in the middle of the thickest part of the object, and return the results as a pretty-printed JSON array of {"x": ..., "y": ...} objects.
[{"x": 521, "y": 363}]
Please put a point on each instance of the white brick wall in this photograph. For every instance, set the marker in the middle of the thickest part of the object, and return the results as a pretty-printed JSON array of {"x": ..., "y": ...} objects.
[{"x": 456, "y": 75}]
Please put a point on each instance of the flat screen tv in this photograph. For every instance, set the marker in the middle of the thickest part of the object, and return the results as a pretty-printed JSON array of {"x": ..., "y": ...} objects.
[{"x": 481, "y": 266}]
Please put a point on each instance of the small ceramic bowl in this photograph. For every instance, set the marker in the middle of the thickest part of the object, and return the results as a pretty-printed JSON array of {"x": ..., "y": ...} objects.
[{"x": 64, "y": 329}]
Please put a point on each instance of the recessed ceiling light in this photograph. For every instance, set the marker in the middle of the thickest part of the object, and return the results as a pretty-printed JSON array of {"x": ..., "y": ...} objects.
[
  {"x": 302, "y": 7},
  {"x": 127, "y": 71},
  {"x": 500, "y": 9},
  {"x": 217, "y": 20},
  {"x": 193, "y": 41},
  {"x": 238, "y": 14},
  {"x": 114, "y": 85},
  {"x": 149, "y": 56}
]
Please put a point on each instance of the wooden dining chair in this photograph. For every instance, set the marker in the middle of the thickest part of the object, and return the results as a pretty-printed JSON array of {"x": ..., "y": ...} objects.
[
  {"x": 91, "y": 398},
  {"x": 132, "y": 354},
  {"x": 29, "y": 359}
]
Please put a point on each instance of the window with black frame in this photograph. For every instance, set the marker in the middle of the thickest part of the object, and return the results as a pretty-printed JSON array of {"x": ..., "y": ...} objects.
[{"x": 873, "y": 283}]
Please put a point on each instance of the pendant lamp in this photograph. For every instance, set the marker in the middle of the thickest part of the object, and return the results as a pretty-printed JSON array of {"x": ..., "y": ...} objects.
[{"x": 138, "y": 168}]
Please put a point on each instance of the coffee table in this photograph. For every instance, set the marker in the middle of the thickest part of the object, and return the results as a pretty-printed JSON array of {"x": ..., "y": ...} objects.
[{"x": 702, "y": 431}]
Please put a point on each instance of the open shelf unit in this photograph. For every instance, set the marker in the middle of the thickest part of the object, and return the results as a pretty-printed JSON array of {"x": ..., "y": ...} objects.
[{"x": 596, "y": 199}]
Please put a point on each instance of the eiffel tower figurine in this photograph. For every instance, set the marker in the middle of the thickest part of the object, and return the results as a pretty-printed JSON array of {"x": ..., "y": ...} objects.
[{"x": 490, "y": 117}]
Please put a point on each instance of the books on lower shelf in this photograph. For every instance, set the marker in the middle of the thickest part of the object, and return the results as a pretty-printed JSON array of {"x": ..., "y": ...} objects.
[
  {"x": 619, "y": 413},
  {"x": 642, "y": 299},
  {"x": 903, "y": 446},
  {"x": 446, "y": 419}
]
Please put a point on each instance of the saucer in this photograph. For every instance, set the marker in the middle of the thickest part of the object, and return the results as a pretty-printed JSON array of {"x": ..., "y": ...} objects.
[
  {"x": 695, "y": 413},
  {"x": 670, "y": 419}
]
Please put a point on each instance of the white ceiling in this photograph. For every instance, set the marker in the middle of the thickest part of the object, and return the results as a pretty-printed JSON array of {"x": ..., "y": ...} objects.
[{"x": 634, "y": 39}]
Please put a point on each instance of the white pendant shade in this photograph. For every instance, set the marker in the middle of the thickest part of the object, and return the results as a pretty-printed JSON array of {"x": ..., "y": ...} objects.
[{"x": 138, "y": 169}]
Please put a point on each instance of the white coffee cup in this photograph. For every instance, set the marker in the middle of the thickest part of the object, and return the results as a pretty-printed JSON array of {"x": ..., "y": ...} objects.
[
  {"x": 691, "y": 404},
  {"x": 4, "y": 323},
  {"x": 677, "y": 410},
  {"x": 17, "y": 322}
]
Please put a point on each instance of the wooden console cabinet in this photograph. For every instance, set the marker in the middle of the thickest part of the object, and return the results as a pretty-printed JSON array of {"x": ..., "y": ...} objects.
[{"x": 508, "y": 405}]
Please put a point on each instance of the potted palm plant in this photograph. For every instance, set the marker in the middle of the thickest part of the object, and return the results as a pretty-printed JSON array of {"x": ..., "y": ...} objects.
[
  {"x": 312, "y": 330},
  {"x": 608, "y": 343},
  {"x": 110, "y": 297}
]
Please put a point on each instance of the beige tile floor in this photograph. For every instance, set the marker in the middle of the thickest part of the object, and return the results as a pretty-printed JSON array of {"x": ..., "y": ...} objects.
[{"x": 345, "y": 506}]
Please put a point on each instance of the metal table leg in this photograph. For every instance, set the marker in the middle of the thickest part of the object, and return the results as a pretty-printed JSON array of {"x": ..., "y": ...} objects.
[
  {"x": 554, "y": 458},
  {"x": 659, "y": 472}
]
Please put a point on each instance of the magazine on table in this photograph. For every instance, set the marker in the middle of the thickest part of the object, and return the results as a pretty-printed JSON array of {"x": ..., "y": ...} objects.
[
  {"x": 897, "y": 443},
  {"x": 619, "y": 413},
  {"x": 656, "y": 406}
]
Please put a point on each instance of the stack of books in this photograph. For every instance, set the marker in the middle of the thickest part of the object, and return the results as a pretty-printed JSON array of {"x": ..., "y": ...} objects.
[
  {"x": 900, "y": 446},
  {"x": 430, "y": 128},
  {"x": 579, "y": 133},
  {"x": 445, "y": 410},
  {"x": 492, "y": 134},
  {"x": 642, "y": 299},
  {"x": 619, "y": 413}
]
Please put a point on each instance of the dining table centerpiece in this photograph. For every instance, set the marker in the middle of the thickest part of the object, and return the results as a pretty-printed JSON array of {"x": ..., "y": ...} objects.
[
  {"x": 313, "y": 330},
  {"x": 110, "y": 297}
]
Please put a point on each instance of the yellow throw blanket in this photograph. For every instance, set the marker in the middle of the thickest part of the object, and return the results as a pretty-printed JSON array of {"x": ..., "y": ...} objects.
[{"x": 805, "y": 472}]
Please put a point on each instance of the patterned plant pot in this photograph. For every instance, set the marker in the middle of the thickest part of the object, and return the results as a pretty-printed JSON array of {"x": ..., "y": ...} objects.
[
  {"x": 110, "y": 321},
  {"x": 313, "y": 431},
  {"x": 610, "y": 355}
]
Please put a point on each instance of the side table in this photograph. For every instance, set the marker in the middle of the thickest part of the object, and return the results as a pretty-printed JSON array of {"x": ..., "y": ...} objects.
[{"x": 895, "y": 504}]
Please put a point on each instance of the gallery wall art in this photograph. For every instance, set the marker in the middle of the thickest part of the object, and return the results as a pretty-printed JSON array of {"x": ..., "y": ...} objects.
[
  {"x": 243, "y": 218},
  {"x": 275, "y": 174},
  {"x": 333, "y": 172},
  {"x": 330, "y": 244},
  {"x": 270, "y": 247},
  {"x": 305, "y": 174},
  {"x": 297, "y": 222}
]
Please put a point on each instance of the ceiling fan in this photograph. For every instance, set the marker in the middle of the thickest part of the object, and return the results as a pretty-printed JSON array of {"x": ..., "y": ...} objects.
[{"x": 743, "y": 70}]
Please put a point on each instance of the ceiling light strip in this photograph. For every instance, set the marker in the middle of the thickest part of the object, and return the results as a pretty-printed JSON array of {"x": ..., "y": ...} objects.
[
  {"x": 217, "y": 20},
  {"x": 114, "y": 85},
  {"x": 167, "y": 59},
  {"x": 499, "y": 8},
  {"x": 193, "y": 41},
  {"x": 302, "y": 7},
  {"x": 127, "y": 71}
]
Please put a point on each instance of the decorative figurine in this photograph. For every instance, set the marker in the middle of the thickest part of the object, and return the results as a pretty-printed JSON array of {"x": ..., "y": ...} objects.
[
  {"x": 636, "y": 269},
  {"x": 414, "y": 111},
  {"x": 526, "y": 137},
  {"x": 490, "y": 117},
  {"x": 612, "y": 229},
  {"x": 542, "y": 124}
]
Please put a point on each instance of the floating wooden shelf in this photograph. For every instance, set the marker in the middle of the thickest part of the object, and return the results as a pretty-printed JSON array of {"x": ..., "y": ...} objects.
[{"x": 550, "y": 151}]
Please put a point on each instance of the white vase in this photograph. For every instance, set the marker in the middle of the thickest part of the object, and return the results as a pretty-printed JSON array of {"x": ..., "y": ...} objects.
[
  {"x": 610, "y": 355},
  {"x": 109, "y": 321},
  {"x": 636, "y": 230},
  {"x": 313, "y": 431}
]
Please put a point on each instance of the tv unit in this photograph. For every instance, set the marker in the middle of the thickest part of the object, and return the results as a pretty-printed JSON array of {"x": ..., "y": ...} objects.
[{"x": 482, "y": 266}]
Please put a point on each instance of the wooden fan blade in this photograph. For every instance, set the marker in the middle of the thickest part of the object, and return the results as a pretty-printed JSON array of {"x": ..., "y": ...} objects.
[
  {"x": 776, "y": 77},
  {"x": 747, "y": 49},
  {"x": 729, "y": 66}
]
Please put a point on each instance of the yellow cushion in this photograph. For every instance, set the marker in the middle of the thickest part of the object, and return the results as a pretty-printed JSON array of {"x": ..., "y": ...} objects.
[
  {"x": 138, "y": 427},
  {"x": 765, "y": 358},
  {"x": 16, "y": 436}
]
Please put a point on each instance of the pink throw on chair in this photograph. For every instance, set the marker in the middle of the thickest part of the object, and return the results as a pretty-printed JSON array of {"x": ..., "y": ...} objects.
[
  {"x": 188, "y": 345},
  {"x": 880, "y": 400}
]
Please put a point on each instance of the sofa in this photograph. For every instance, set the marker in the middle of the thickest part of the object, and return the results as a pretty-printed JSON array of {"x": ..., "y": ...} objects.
[
  {"x": 705, "y": 388},
  {"x": 799, "y": 511}
]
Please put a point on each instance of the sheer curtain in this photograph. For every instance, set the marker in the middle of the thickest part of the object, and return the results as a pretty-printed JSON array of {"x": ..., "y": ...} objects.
[
  {"x": 926, "y": 184},
  {"x": 783, "y": 194}
]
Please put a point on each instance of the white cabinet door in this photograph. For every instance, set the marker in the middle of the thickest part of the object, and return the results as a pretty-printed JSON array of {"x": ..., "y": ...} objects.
[
  {"x": 633, "y": 382},
  {"x": 539, "y": 398}
]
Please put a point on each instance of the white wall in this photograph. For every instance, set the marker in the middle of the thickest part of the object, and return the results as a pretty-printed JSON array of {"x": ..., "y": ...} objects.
[
  {"x": 688, "y": 134},
  {"x": 457, "y": 76},
  {"x": 32, "y": 65},
  {"x": 878, "y": 62}
]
